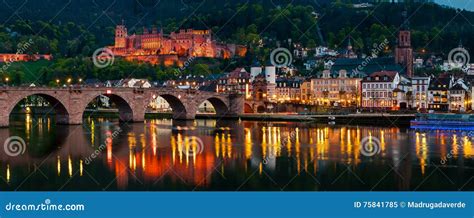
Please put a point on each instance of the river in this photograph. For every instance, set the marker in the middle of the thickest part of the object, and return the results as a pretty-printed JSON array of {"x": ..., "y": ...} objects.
[{"x": 230, "y": 155}]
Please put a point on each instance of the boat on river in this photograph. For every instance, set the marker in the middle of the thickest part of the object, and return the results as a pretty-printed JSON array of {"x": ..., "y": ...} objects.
[{"x": 443, "y": 121}]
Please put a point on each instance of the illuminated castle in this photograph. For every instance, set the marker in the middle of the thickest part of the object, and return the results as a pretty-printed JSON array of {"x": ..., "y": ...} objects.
[{"x": 155, "y": 47}]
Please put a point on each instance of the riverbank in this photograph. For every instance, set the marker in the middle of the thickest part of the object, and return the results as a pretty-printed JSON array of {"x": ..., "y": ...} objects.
[
  {"x": 382, "y": 119},
  {"x": 372, "y": 119}
]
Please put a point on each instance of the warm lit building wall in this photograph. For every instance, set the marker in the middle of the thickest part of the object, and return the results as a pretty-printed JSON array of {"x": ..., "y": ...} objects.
[
  {"x": 307, "y": 92},
  {"x": 287, "y": 90},
  {"x": 237, "y": 81},
  {"x": 185, "y": 43},
  {"x": 341, "y": 89},
  {"x": 377, "y": 95},
  {"x": 438, "y": 94},
  {"x": 420, "y": 87},
  {"x": 472, "y": 97},
  {"x": 24, "y": 57},
  {"x": 379, "y": 90},
  {"x": 121, "y": 36},
  {"x": 457, "y": 100}
]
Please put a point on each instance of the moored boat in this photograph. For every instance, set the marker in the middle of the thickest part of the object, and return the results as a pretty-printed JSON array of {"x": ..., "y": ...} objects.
[{"x": 443, "y": 121}]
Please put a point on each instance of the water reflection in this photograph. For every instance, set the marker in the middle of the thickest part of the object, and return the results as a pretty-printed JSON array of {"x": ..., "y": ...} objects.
[{"x": 232, "y": 155}]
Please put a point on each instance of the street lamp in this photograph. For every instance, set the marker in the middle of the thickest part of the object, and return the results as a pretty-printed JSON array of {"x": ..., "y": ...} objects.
[
  {"x": 57, "y": 82},
  {"x": 6, "y": 80}
]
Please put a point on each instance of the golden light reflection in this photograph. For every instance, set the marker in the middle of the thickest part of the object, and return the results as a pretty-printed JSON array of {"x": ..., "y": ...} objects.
[
  {"x": 229, "y": 146},
  {"x": 69, "y": 165},
  {"x": 298, "y": 150},
  {"x": 81, "y": 168},
  {"x": 92, "y": 133},
  {"x": 382, "y": 142},
  {"x": 248, "y": 143},
  {"x": 173, "y": 149},
  {"x": 28, "y": 125},
  {"x": 223, "y": 146},
  {"x": 58, "y": 167},
  {"x": 421, "y": 151},
  {"x": 468, "y": 150},
  {"x": 455, "y": 145},
  {"x": 8, "y": 173},
  {"x": 349, "y": 145}
]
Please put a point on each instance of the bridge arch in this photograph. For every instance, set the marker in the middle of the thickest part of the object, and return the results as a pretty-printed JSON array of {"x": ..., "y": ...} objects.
[
  {"x": 261, "y": 109},
  {"x": 220, "y": 106},
  {"x": 248, "y": 108},
  {"x": 121, "y": 102},
  {"x": 176, "y": 104},
  {"x": 58, "y": 104}
]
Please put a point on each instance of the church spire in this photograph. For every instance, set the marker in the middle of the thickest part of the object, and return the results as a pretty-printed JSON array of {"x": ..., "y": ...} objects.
[{"x": 405, "y": 20}]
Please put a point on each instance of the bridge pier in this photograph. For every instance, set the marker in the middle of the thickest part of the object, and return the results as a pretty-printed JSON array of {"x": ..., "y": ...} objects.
[
  {"x": 138, "y": 116},
  {"x": 236, "y": 105},
  {"x": 75, "y": 120},
  {"x": 4, "y": 121}
]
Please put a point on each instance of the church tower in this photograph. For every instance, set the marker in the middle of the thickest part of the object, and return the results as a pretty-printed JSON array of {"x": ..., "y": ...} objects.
[
  {"x": 404, "y": 51},
  {"x": 121, "y": 36}
]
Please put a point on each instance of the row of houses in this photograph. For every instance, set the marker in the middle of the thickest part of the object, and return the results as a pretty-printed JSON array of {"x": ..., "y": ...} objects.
[
  {"x": 384, "y": 89},
  {"x": 129, "y": 83}
]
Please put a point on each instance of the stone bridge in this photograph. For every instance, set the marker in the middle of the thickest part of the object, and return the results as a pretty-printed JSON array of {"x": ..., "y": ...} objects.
[{"x": 70, "y": 103}]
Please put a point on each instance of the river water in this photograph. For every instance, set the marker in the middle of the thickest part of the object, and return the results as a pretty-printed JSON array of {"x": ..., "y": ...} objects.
[{"x": 166, "y": 155}]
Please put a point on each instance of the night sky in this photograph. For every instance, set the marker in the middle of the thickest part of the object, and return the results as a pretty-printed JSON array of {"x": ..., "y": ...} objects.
[{"x": 465, "y": 4}]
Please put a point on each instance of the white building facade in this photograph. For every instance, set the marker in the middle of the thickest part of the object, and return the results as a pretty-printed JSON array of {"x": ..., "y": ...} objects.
[
  {"x": 377, "y": 90},
  {"x": 419, "y": 96}
]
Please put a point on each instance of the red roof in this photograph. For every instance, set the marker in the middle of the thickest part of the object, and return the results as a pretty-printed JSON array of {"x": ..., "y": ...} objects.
[
  {"x": 237, "y": 73},
  {"x": 383, "y": 76},
  {"x": 390, "y": 74}
]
